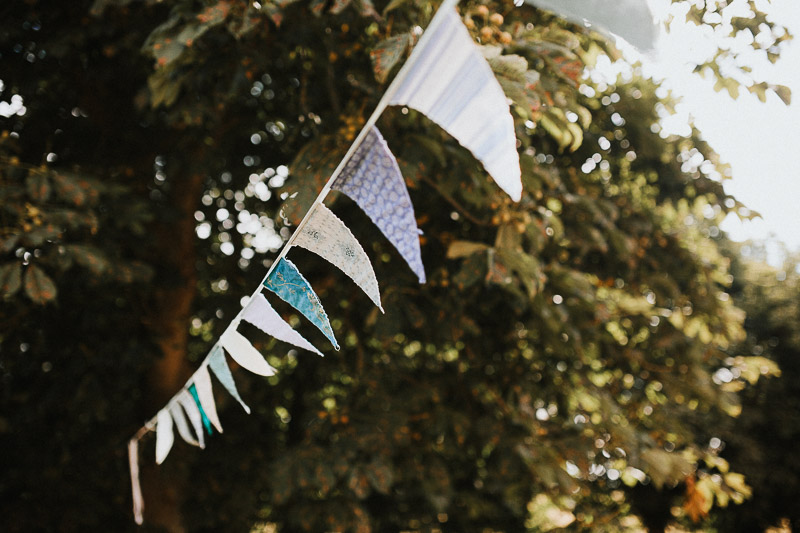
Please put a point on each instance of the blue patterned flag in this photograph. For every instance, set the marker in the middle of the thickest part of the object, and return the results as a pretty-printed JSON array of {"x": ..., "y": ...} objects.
[
  {"x": 453, "y": 85},
  {"x": 372, "y": 179},
  {"x": 287, "y": 282}
]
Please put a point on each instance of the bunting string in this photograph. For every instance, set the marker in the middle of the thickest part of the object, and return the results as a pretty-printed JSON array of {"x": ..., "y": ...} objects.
[{"x": 445, "y": 78}]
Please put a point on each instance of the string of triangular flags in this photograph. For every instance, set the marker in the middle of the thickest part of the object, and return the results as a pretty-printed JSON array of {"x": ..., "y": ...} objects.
[{"x": 447, "y": 79}]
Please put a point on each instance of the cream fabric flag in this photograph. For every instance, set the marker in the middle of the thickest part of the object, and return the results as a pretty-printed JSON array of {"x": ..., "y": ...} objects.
[
  {"x": 136, "y": 487},
  {"x": 327, "y": 236},
  {"x": 454, "y": 86},
  {"x": 179, "y": 418},
  {"x": 193, "y": 413},
  {"x": 262, "y": 315},
  {"x": 202, "y": 383},
  {"x": 164, "y": 436},
  {"x": 243, "y": 352}
]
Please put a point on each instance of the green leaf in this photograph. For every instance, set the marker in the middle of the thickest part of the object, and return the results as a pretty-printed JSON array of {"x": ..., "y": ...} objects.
[
  {"x": 38, "y": 286},
  {"x": 75, "y": 189},
  {"x": 41, "y": 234},
  {"x": 308, "y": 173},
  {"x": 387, "y": 53},
  {"x": 38, "y": 186},
  {"x": 784, "y": 93},
  {"x": 89, "y": 257},
  {"x": 358, "y": 483},
  {"x": 394, "y": 4},
  {"x": 172, "y": 38},
  {"x": 10, "y": 278},
  {"x": 380, "y": 475},
  {"x": 464, "y": 248},
  {"x": 8, "y": 243}
]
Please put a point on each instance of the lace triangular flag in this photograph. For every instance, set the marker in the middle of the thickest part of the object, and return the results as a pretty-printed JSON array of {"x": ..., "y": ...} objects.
[
  {"x": 372, "y": 179},
  {"x": 453, "y": 85},
  {"x": 327, "y": 236},
  {"x": 218, "y": 365},
  {"x": 261, "y": 314},
  {"x": 287, "y": 282}
]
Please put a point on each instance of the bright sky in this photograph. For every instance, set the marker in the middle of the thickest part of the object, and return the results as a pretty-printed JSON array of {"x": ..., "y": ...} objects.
[{"x": 761, "y": 141}]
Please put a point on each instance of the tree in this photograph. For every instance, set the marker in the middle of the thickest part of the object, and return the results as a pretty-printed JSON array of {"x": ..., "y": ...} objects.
[
  {"x": 562, "y": 350},
  {"x": 761, "y": 441}
]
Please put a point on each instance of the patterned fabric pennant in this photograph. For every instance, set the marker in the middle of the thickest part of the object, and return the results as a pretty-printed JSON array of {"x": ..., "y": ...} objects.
[
  {"x": 372, "y": 179},
  {"x": 176, "y": 412},
  {"x": 287, "y": 282},
  {"x": 261, "y": 314},
  {"x": 454, "y": 86},
  {"x": 192, "y": 410},
  {"x": 243, "y": 353},
  {"x": 202, "y": 383},
  {"x": 327, "y": 236},
  {"x": 199, "y": 405},
  {"x": 164, "y": 436},
  {"x": 218, "y": 365},
  {"x": 136, "y": 487}
]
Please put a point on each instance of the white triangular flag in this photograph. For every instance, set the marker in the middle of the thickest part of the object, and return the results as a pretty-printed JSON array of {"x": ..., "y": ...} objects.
[
  {"x": 202, "y": 383},
  {"x": 327, "y": 236},
  {"x": 630, "y": 19},
  {"x": 261, "y": 314},
  {"x": 179, "y": 417},
  {"x": 243, "y": 352},
  {"x": 193, "y": 413},
  {"x": 164, "y": 435},
  {"x": 453, "y": 85}
]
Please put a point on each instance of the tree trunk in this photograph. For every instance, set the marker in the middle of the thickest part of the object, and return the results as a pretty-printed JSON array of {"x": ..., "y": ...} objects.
[{"x": 169, "y": 324}]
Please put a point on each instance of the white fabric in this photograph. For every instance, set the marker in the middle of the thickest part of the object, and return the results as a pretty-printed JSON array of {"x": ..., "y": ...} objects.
[
  {"x": 261, "y": 314},
  {"x": 243, "y": 353},
  {"x": 179, "y": 418},
  {"x": 193, "y": 413},
  {"x": 136, "y": 487},
  {"x": 327, "y": 236},
  {"x": 202, "y": 383},
  {"x": 630, "y": 19},
  {"x": 454, "y": 86},
  {"x": 164, "y": 435}
]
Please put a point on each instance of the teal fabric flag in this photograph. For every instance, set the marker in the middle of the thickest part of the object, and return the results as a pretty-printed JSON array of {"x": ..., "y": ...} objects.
[
  {"x": 206, "y": 421},
  {"x": 287, "y": 282},
  {"x": 218, "y": 365}
]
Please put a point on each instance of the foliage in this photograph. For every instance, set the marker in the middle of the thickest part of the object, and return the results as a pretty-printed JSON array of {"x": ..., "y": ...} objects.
[
  {"x": 761, "y": 442},
  {"x": 561, "y": 356}
]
